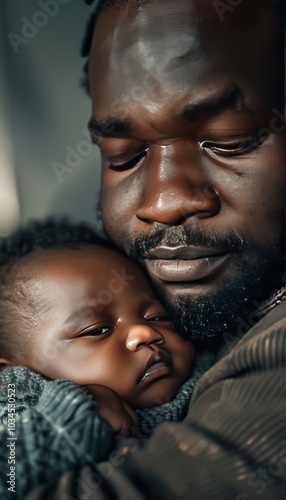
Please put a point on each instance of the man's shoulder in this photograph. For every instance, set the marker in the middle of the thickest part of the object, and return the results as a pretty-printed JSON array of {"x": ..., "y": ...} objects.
[
  {"x": 264, "y": 343},
  {"x": 261, "y": 350},
  {"x": 272, "y": 321}
]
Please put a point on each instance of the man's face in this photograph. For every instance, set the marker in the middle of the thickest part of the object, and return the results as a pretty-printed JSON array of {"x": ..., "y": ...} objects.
[
  {"x": 188, "y": 114},
  {"x": 100, "y": 323}
]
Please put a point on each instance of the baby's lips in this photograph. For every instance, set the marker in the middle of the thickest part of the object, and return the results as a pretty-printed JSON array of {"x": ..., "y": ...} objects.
[{"x": 156, "y": 358}]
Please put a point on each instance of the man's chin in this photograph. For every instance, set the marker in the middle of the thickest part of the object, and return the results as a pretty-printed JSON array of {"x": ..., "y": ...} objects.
[
  {"x": 208, "y": 313},
  {"x": 210, "y": 282},
  {"x": 200, "y": 318}
]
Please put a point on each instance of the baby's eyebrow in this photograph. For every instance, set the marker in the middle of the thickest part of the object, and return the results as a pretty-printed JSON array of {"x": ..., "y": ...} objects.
[{"x": 82, "y": 314}]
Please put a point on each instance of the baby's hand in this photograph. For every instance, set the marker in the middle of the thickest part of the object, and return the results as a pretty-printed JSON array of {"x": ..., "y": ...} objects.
[{"x": 117, "y": 412}]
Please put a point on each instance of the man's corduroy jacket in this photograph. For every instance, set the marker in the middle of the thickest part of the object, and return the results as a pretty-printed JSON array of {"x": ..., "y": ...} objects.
[{"x": 232, "y": 445}]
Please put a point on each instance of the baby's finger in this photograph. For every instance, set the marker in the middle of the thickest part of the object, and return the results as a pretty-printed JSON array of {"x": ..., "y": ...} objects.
[{"x": 132, "y": 415}]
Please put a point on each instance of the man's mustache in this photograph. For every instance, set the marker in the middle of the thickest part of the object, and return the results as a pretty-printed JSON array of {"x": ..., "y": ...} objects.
[{"x": 185, "y": 235}]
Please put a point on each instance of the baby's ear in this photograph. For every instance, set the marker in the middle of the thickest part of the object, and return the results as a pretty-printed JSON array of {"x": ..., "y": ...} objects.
[{"x": 5, "y": 363}]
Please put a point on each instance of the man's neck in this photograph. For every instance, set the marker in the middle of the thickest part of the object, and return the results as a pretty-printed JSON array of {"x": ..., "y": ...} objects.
[{"x": 274, "y": 300}]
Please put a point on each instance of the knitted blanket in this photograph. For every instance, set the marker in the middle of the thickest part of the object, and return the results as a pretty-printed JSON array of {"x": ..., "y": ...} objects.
[{"x": 175, "y": 410}]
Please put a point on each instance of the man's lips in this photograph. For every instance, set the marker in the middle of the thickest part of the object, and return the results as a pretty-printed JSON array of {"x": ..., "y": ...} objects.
[
  {"x": 186, "y": 252},
  {"x": 184, "y": 263},
  {"x": 158, "y": 365}
]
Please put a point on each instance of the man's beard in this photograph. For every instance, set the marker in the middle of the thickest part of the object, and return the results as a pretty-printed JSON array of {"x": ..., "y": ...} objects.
[{"x": 256, "y": 273}]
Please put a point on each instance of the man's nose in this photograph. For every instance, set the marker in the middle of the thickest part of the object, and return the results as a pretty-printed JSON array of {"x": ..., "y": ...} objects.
[
  {"x": 175, "y": 186},
  {"x": 140, "y": 335}
]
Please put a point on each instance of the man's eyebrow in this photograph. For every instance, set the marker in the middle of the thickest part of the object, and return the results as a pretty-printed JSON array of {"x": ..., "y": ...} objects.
[
  {"x": 108, "y": 127},
  {"x": 230, "y": 98}
]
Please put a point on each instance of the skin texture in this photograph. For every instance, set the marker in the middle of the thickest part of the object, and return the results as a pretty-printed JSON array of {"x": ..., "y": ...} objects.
[
  {"x": 100, "y": 324},
  {"x": 193, "y": 152}
]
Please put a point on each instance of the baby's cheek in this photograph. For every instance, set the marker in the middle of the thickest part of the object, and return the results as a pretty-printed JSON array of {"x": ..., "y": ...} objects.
[{"x": 185, "y": 357}]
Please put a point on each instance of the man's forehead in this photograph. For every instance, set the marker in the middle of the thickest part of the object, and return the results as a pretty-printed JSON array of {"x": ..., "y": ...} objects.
[
  {"x": 148, "y": 35},
  {"x": 168, "y": 33},
  {"x": 174, "y": 48}
]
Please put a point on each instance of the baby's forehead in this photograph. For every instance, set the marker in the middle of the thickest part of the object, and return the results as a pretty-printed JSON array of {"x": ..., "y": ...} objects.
[
  {"x": 42, "y": 270},
  {"x": 58, "y": 261},
  {"x": 44, "y": 256},
  {"x": 30, "y": 268}
]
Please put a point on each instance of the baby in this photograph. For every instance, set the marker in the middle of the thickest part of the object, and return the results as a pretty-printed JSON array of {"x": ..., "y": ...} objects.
[
  {"x": 86, "y": 313},
  {"x": 74, "y": 309}
]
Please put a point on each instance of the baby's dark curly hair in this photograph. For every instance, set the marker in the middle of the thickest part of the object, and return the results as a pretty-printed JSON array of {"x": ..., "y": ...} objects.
[
  {"x": 278, "y": 7},
  {"x": 19, "y": 309}
]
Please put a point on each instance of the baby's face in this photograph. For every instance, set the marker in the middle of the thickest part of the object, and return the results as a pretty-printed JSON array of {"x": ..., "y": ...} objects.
[{"x": 102, "y": 324}]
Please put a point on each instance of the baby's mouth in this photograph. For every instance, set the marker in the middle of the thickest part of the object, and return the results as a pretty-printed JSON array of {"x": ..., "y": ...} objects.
[{"x": 158, "y": 365}]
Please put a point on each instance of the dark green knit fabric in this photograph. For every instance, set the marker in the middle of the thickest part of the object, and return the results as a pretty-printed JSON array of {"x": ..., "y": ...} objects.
[{"x": 58, "y": 427}]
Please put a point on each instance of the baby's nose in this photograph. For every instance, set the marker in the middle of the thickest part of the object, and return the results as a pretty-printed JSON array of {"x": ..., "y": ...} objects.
[{"x": 139, "y": 335}]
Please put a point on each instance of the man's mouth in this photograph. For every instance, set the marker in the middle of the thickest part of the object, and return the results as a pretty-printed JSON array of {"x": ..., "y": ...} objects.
[
  {"x": 184, "y": 263},
  {"x": 158, "y": 365}
]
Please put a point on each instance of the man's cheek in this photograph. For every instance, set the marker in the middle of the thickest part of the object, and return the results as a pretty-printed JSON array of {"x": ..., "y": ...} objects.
[
  {"x": 111, "y": 224},
  {"x": 120, "y": 202},
  {"x": 114, "y": 219}
]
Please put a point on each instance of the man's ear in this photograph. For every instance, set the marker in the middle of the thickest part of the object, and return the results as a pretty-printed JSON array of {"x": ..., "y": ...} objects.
[{"x": 5, "y": 363}]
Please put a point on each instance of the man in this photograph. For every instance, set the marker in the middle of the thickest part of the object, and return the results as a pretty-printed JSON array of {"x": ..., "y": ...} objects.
[
  {"x": 187, "y": 108},
  {"x": 193, "y": 175}
]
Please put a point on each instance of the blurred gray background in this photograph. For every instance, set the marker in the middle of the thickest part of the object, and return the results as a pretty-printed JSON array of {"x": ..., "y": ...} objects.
[{"x": 48, "y": 165}]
